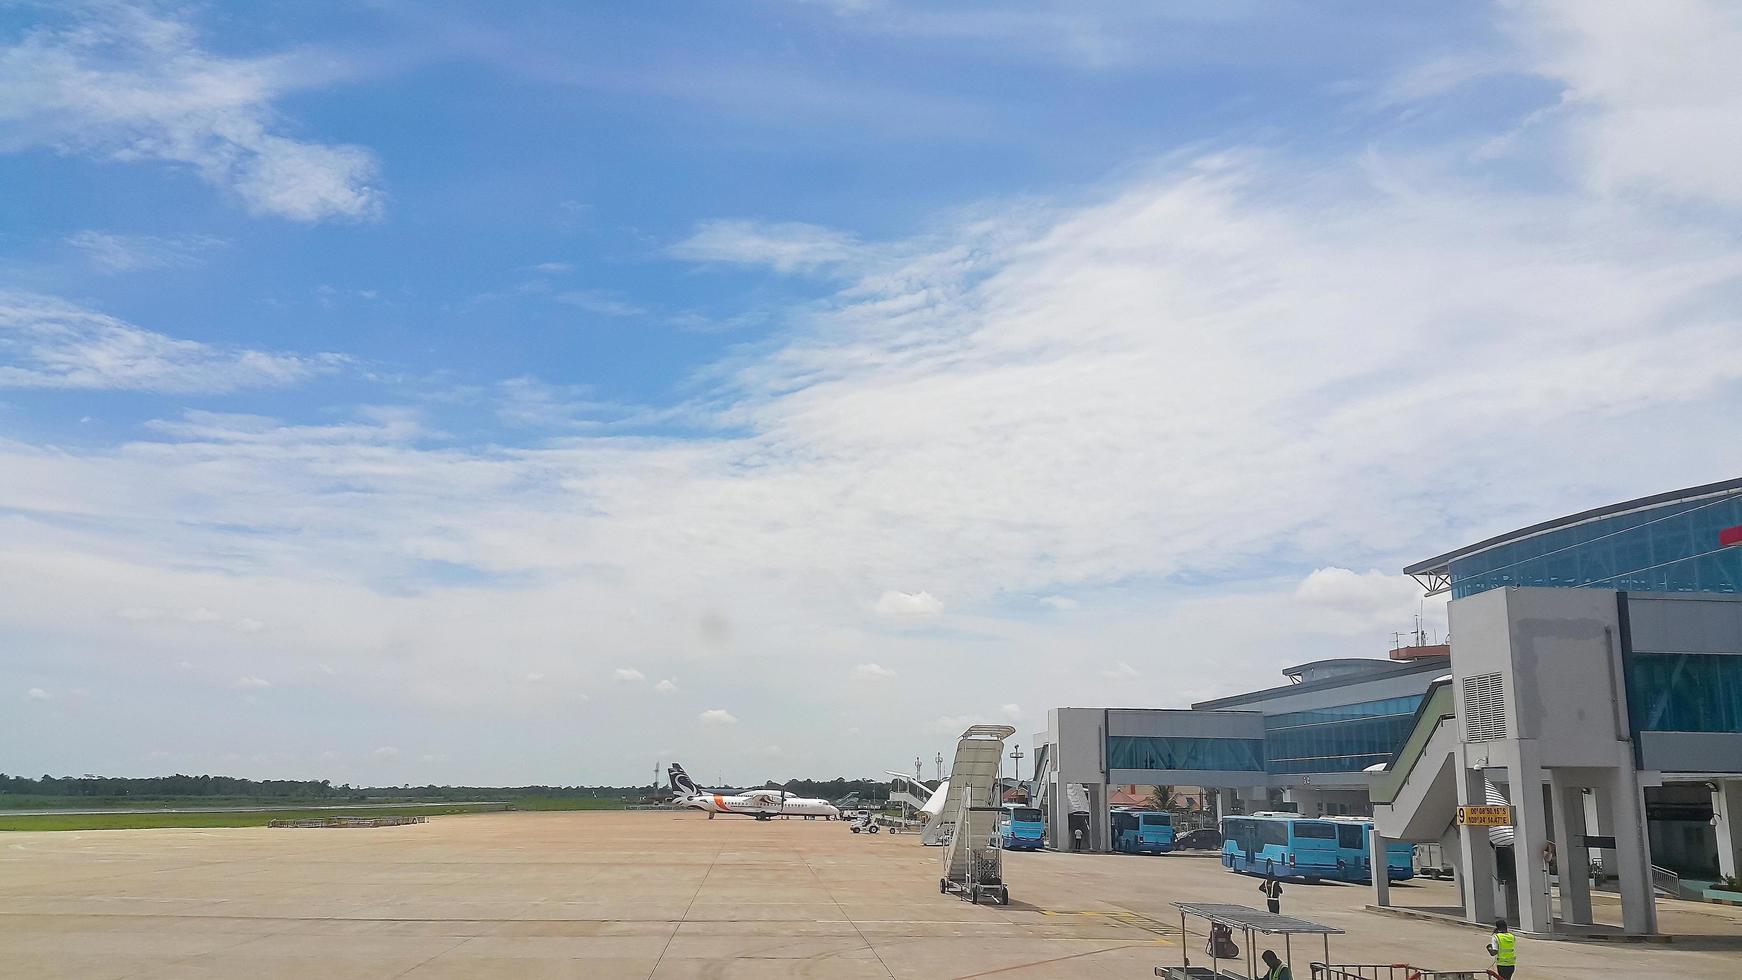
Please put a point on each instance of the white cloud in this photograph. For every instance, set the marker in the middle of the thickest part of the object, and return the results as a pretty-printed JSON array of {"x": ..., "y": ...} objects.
[
  {"x": 554, "y": 268},
  {"x": 955, "y": 724},
  {"x": 870, "y": 672},
  {"x": 386, "y": 752},
  {"x": 125, "y": 84},
  {"x": 908, "y": 604},
  {"x": 38, "y": 694},
  {"x": 1012, "y": 711},
  {"x": 1358, "y": 592},
  {"x": 786, "y": 247},
  {"x": 717, "y": 716},
  {"x": 1059, "y": 602},
  {"x": 600, "y": 302},
  {"x": 628, "y": 675},
  {"x": 48, "y": 343},
  {"x": 666, "y": 687},
  {"x": 1121, "y": 671},
  {"x": 111, "y": 252},
  {"x": 1651, "y": 92},
  {"x": 249, "y": 683}
]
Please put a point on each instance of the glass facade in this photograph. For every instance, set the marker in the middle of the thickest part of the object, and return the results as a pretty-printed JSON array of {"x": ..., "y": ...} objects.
[
  {"x": 1684, "y": 692},
  {"x": 1153, "y": 752},
  {"x": 1344, "y": 738},
  {"x": 1670, "y": 548}
]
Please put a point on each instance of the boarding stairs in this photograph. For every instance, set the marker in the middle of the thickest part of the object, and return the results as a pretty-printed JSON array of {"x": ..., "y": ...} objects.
[{"x": 973, "y": 861}]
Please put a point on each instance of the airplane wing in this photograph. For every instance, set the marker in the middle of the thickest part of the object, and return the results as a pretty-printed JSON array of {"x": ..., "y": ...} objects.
[{"x": 769, "y": 797}]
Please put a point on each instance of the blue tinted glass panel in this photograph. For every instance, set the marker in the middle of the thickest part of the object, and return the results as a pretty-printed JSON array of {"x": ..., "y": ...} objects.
[
  {"x": 1343, "y": 738},
  {"x": 1673, "y": 548},
  {"x": 1147, "y": 752},
  {"x": 1684, "y": 692}
]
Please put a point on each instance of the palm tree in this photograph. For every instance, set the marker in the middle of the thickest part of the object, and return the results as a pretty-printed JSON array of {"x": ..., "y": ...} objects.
[{"x": 1161, "y": 798}]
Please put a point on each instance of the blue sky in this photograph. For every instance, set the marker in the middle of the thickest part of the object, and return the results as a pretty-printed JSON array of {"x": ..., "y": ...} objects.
[{"x": 444, "y": 380}]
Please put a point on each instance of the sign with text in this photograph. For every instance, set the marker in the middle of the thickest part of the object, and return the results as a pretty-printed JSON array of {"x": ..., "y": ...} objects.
[{"x": 1484, "y": 816}]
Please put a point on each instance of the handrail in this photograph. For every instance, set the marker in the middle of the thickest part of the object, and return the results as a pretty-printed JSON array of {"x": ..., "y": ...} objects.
[
  {"x": 1437, "y": 706},
  {"x": 1666, "y": 882},
  {"x": 1390, "y": 971}
]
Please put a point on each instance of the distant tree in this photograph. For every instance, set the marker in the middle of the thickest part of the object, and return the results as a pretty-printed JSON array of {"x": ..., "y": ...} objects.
[{"x": 1161, "y": 798}]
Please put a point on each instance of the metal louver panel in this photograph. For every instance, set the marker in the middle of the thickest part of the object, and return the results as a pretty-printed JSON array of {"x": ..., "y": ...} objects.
[{"x": 1484, "y": 707}]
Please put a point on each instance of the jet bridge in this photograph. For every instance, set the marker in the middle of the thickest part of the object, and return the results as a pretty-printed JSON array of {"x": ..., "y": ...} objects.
[{"x": 973, "y": 864}]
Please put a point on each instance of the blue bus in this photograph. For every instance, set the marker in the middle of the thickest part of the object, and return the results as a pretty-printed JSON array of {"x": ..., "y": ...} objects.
[
  {"x": 1020, "y": 828},
  {"x": 1286, "y": 845},
  {"x": 1353, "y": 861},
  {"x": 1142, "y": 831}
]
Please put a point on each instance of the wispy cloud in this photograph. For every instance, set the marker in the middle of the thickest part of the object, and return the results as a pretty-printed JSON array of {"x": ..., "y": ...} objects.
[
  {"x": 111, "y": 252},
  {"x": 870, "y": 672},
  {"x": 717, "y": 716},
  {"x": 786, "y": 247},
  {"x": 628, "y": 675},
  {"x": 127, "y": 84},
  {"x": 49, "y": 343},
  {"x": 599, "y": 301}
]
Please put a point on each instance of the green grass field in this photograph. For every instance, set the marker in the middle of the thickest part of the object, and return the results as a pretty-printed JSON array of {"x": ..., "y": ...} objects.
[{"x": 144, "y": 818}]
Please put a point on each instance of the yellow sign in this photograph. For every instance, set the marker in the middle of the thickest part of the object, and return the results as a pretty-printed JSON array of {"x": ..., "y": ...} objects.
[{"x": 1484, "y": 816}]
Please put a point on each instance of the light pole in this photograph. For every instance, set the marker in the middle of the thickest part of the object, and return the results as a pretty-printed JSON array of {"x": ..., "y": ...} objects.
[{"x": 1016, "y": 755}]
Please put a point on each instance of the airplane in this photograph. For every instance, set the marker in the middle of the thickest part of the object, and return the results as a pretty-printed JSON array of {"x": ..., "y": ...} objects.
[{"x": 763, "y": 804}]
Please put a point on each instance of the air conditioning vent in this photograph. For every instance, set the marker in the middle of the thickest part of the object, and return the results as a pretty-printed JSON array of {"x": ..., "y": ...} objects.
[{"x": 1484, "y": 708}]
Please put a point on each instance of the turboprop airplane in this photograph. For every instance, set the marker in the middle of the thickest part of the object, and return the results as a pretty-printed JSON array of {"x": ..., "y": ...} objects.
[{"x": 763, "y": 804}]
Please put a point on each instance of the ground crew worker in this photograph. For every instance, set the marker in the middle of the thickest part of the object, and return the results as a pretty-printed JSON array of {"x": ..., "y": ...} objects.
[
  {"x": 1273, "y": 968},
  {"x": 1272, "y": 890},
  {"x": 1503, "y": 946},
  {"x": 1077, "y": 839}
]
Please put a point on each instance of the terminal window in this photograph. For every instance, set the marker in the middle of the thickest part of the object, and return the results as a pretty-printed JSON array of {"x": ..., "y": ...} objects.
[
  {"x": 1672, "y": 548},
  {"x": 1180, "y": 752},
  {"x": 1684, "y": 692},
  {"x": 1340, "y": 738}
]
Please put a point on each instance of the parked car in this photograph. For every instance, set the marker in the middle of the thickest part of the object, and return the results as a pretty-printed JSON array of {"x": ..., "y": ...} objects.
[{"x": 1202, "y": 839}]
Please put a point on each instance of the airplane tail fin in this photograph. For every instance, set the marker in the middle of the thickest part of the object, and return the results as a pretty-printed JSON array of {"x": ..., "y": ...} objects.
[{"x": 682, "y": 786}]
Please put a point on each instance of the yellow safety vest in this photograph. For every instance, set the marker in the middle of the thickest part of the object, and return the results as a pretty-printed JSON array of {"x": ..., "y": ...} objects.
[{"x": 1505, "y": 949}]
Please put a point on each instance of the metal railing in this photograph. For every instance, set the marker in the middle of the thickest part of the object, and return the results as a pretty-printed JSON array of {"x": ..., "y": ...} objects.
[
  {"x": 1390, "y": 971},
  {"x": 1666, "y": 882}
]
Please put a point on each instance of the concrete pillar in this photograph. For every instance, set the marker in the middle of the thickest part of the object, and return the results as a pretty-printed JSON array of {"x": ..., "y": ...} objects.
[
  {"x": 1100, "y": 819},
  {"x": 1727, "y": 809},
  {"x": 1530, "y": 833},
  {"x": 1568, "y": 799},
  {"x": 1058, "y": 814},
  {"x": 1376, "y": 858},
  {"x": 1600, "y": 822},
  {"x": 1632, "y": 849},
  {"x": 1475, "y": 854}
]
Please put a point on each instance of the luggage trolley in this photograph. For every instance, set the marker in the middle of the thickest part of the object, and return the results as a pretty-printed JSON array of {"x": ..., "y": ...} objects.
[
  {"x": 1224, "y": 920},
  {"x": 973, "y": 860}
]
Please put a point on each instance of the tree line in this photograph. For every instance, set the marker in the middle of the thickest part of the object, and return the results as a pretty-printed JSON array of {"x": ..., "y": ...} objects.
[{"x": 180, "y": 786}]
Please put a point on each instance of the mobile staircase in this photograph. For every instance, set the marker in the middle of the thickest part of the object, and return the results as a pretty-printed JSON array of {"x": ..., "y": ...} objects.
[{"x": 973, "y": 860}]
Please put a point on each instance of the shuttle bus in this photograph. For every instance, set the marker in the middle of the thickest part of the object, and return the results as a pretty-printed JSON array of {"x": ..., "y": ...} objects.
[
  {"x": 1142, "y": 831},
  {"x": 1019, "y": 827},
  {"x": 1353, "y": 861},
  {"x": 1286, "y": 845}
]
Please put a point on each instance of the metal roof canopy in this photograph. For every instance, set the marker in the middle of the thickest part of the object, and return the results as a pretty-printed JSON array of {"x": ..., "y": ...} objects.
[
  {"x": 1269, "y": 923},
  {"x": 1248, "y": 921}
]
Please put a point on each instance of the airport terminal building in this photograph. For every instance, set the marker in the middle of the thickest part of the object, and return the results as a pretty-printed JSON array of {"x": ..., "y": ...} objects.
[{"x": 1593, "y": 683}]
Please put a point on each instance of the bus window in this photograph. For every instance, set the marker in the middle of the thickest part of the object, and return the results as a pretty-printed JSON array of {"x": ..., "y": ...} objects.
[
  {"x": 1314, "y": 831},
  {"x": 1349, "y": 835},
  {"x": 1272, "y": 832}
]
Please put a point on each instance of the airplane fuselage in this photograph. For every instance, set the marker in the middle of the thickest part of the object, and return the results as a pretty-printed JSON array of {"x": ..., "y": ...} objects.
[{"x": 763, "y": 807}]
